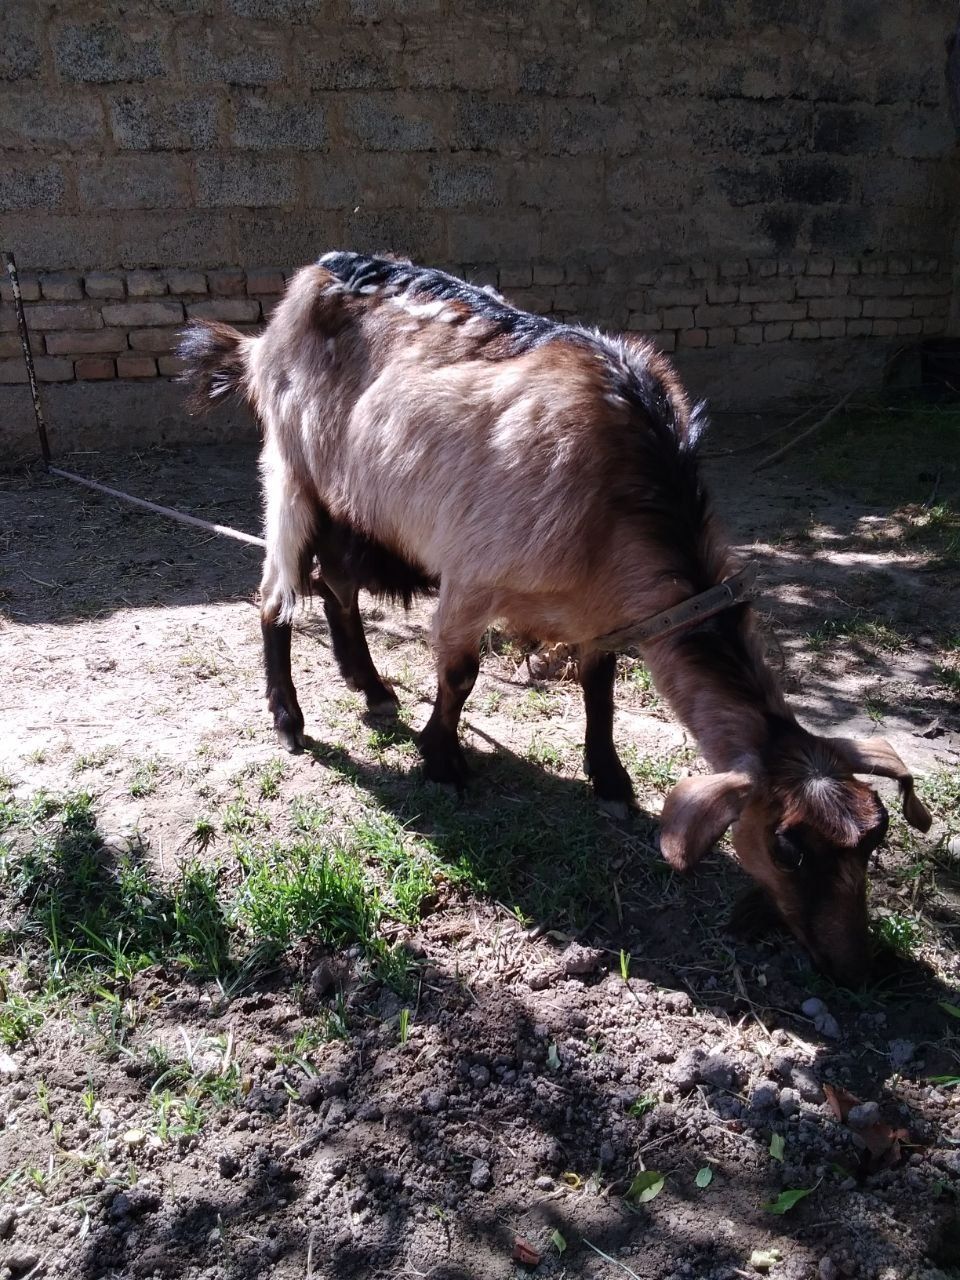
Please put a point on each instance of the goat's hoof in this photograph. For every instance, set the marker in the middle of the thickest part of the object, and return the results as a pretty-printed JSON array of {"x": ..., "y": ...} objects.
[
  {"x": 292, "y": 740},
  {"x": 449, "y": 770},
  {"x": 382, "y": 701}
]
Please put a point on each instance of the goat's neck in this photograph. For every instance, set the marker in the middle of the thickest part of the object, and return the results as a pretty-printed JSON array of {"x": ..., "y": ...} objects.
[{"x": 719, "y": 684}]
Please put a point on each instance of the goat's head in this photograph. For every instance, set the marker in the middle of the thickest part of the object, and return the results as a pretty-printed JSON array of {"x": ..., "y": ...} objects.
[{"x": 804, "y": 829}]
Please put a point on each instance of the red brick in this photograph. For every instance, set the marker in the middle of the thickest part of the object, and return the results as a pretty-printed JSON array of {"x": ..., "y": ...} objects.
[
  {"x": 44, "y": 316},
  {"x": 170, "y": 366},
  {"x": 859, "y": 328},
  {"x": 888, "y": 308},
  {"x": 820, "y": 267},
  {"x": 129, "y": 314},
  {"x": 832, "y": 328},
  {"x": 780, "y": 289},
  {"x": 720, "y": 294},
  {"x": 780, "y": 311},
  {"x": 104, "y": 284},
  {"x": 909, "y": 326},
  {"x": 693, "y": 337},
  {"x": 61, "y": 286},
  {"x": 884, "y": 328},
  {"x": 806, "y": 329},
  {"x": 186, "y": 282},
  {"x": 834, "y": 308},
  {"x": 876, "y": 286},
  {"x": 226, "y": 284},
  {"x": 85, "y": 342},
  {"x": 722, "y": 315},
  {"x": 777, "y": 332},
  {"x": 722, "y": 336},
  {"x": 678, "y": 318},
  {"x": 29, "y": 286},
  {"x": 47, "y": 368},
  {"x": 750, "y": 333},
  {"x": 95, "y": 367},
  {"x": 134, "y": 366},
  {"x": 157, "y": 340},
  {"x": 273, "y": 281},
  {"x": 230, "y": 309},
  {"x": 146, "y": 284}
]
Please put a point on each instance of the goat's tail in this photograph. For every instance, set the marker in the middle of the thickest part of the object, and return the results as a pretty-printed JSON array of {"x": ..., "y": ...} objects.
[{"x": 214, "y": 357}]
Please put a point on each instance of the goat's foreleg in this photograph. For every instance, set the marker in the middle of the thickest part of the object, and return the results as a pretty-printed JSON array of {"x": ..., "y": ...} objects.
[
  {"x": 281, "y": 695},
  {"x": 611, "y": 782}
]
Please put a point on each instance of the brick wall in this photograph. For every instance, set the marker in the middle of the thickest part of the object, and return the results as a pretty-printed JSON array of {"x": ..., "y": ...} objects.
[{"x": 766, "y": 185}]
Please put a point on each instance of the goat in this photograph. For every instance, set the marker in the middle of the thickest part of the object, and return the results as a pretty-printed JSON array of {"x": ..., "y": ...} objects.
[{"x": 422, "y": 435}]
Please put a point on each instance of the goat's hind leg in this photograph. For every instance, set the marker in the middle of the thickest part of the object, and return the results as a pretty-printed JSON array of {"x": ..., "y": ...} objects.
[
  {"x": 349, "y": 640},
  {"x": 611, "y": 782}
]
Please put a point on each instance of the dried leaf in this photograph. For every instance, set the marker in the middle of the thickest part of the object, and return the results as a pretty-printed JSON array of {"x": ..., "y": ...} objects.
[
  {"x": 704, "y": 1177},
  {"x": 553, "y": 1058},
  {"x": 840, "y": 1100},
  {"x": 952, "y": 1009},
  {"x": 523, "y": 1251},
  {"x": 777, "y": 1146},
  {"x": 572, "y": 1179},
  {"x": 645, "y": 1186},
  {"x": 558, "y": 1240},
  {"x": 787, "y": 1199}
]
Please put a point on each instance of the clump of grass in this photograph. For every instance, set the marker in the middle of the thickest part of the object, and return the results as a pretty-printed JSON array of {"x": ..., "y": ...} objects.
[
  {"x": 902, "y": 934},
  {"x": 143, "y": 781},
  {"x": 271, "y": 775},
  {"x": 873, "y": 636},
  {"x": 91, "y": 759}
]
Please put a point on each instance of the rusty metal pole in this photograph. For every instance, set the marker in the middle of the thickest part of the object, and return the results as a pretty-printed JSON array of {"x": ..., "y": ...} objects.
[{"x": 10, "y": 263}]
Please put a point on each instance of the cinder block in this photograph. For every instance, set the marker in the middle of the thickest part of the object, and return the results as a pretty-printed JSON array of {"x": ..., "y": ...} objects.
[
  {"x": 85, "y": 342},
  {"x": 133, "y": 182},
  {"x": 67, "y": 316},
  {"x": 95, "y": 368},
  {"x": 390, "y": 122},
  {"x": 109, "y": 51},
  {"x": 135, "y": 314},
  {"x": 249, "y": 182},
  {"x": 28, "y": 186},
  {"x": 61, "y": 286},
  {"x": 262, "y": 123},
  {"x": 136, "y": 366},
  {"x": 104, "y": 284},
  {"x": 226, "y": 284},
  {"x": 234, "y": 310},
  {"x": 146, "y": 284},
  {"x": 141, "y": 120}
]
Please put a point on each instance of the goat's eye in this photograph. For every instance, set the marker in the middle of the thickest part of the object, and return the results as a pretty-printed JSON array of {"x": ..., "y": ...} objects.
[{"x": 786, "y": 854}]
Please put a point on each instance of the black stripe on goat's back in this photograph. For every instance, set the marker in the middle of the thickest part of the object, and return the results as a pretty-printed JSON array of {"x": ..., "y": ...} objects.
[{"x": 361, "y": 274}]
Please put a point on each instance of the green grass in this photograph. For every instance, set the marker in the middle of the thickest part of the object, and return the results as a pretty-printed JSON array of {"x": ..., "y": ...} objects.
[
  {"x": 144, "y": 779},
  {"x": 902, "y": 934},
  {"x": 867, "y": 633}
]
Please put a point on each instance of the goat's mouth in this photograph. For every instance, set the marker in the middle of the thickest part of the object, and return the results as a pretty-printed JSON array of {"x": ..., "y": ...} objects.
[{"x": 849, "y": 965}]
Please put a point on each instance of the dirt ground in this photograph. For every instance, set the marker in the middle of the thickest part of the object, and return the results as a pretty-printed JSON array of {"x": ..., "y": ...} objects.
[{"x": 275, "y": 1016}]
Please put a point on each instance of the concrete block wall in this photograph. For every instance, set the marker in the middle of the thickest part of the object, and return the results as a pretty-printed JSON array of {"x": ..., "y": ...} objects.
[{"x": 754, "y": 174}]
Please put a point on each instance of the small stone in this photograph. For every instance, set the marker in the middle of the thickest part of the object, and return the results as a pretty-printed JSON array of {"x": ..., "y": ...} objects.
[
  {"x": 9, "y": 1069},
  {"x": 901, "y": 1052},
  {"x": 607, "y": 1153},
  {"x": 827, "y": 1269},
  {"x": 480, "y": 1176},
  {"x": 544, "y": 1183},
  {"x": 813, "y": 1007},
  {"x": 766, "y": 1094},
  {"x": 864, "y": 1115},
  {"x": 789, "y": 1101},
  {"x": 806, "y": 1083},
  {"x": 577, "y": 959},
  {"x": 134, "y": 1137},
  {"x": 434, "y": 1100},
  {"x": 953, "y": 846},
  {"x": 479, "y": 1076},
  {"x": 827, "y": 1025},
  {"x": 8, "y": 1221},
  {"x": 678, "y": 1002},
  {"x": 370, "y": 1111},
  {"x": 20, "y": 1261}
]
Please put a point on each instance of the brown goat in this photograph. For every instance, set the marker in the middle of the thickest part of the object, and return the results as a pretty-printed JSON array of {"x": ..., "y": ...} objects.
[{"x": 422, "y": 435}]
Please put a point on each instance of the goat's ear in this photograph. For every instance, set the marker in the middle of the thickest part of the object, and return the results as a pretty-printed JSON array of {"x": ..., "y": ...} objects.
[
  {"x": 696, "y": 814},
  {"x": 876, "y": 756}
]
